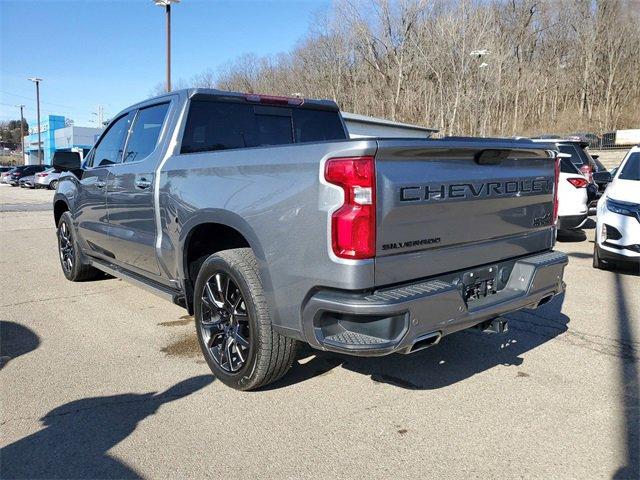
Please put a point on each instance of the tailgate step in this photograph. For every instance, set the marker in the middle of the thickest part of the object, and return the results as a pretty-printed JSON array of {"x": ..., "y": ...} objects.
[
  {"x": 354, "y": 338},
  {"x": 403, "y": 293}
]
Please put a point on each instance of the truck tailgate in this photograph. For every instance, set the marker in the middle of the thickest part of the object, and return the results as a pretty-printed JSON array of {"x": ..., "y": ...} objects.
[{"x": 446, "y": 205}]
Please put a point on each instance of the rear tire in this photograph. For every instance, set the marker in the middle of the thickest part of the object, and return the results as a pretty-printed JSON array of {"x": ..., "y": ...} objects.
[
  {"x": 53, "y": 184},
  {"x": 72, "y": 261},
  {"x": 232, "y": 314}
]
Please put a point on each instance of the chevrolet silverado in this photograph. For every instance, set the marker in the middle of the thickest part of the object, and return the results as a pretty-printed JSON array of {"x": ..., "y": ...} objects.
[{"x": 262, "y": 218}]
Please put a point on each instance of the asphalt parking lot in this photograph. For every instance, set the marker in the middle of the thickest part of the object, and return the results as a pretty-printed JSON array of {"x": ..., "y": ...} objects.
[{"x": 104, "y": 380}]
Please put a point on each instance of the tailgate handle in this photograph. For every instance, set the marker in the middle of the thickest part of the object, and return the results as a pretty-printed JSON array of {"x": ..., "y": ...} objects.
[{"x": 491, "y": 156}]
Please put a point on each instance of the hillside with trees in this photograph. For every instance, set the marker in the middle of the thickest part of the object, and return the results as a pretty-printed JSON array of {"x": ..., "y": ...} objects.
[{"x": 498, "y": 67}]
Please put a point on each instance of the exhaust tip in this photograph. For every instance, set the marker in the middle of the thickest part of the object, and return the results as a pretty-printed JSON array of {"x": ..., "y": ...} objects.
[{"x": 425, "y": 341}]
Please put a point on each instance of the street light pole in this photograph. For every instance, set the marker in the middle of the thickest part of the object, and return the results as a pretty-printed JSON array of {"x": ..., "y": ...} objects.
[
  {"x": 21, "y": 128},
  {"x": 37, "y": 81},
  {"x": 167, "y": 7}
]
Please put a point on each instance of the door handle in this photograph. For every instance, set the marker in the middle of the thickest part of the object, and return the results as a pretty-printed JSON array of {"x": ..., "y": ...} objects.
[
  {"x": 101, "y": 184},
  {"x": 143, "y": 183}
]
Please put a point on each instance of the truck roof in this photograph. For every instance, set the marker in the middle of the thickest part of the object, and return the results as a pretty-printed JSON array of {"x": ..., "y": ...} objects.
[{"x": 226, "y": 94}]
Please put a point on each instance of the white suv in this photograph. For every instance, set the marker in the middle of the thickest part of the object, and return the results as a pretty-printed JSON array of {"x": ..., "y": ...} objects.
[
  {"x": 573, "y": 199},
  {"x": 618, "y": 221},
  {"x": 574, "y": 190}
]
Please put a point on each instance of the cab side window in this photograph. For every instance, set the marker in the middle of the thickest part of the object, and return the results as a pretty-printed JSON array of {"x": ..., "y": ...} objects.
[
  {"x": 145, "y": 132},
  {"x": 109, "y": 150}
]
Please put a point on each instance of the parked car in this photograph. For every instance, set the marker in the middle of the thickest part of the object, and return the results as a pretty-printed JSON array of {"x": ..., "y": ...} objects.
[
  {"x": 573, "y": 196},
  {"x": 47, "y": 179},
  {"x": 580, "y": 156},
  {"x": 575, "y": 192},
  {"x": 618, "y": 218},
  {"x": 591, "y": 138},
  {"x": 28, "y": 182},
  {"x": 4, "y": 176},
  {"x": 5, "y": 168},
  {"x": 261, "y": 217},
  {"x": 24, "y": 171}
]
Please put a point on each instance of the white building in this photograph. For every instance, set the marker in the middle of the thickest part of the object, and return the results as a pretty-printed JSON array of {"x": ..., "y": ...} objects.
[{"x": 362, "y": 126}]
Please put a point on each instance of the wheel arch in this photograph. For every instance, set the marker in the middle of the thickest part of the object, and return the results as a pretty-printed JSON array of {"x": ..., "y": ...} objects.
[
  {"x": 209, "y": 232},
  {"x": 60, "y": 205}
]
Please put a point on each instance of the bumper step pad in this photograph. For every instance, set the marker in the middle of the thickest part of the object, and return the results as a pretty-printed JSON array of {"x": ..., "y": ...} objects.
[{"x": 353, "y": 338}]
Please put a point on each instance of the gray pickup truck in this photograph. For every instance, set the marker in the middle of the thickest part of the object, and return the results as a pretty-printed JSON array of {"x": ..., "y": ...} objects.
[{"x": 259, "y": 216}]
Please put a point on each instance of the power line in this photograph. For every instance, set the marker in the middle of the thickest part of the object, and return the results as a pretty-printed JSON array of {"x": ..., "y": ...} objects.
[{"x": 47, "y": 102}]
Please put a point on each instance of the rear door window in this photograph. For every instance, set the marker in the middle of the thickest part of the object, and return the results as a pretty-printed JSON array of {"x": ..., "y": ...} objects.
[
  {"x": 215, "y": 125},
  {"x": 145, "y": 132}
]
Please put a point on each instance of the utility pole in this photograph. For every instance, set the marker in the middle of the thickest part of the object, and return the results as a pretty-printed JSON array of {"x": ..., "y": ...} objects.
[
  {"x": 21, "y": 128},
  {"x": 37, "y": 81},
  {"x": 167, "y": 7},
  {"x": 99, "y": 116}
]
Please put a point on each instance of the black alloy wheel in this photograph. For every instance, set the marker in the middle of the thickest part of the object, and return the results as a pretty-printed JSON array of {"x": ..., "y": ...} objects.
[
  {"x": 225, "y": 322},
  {"x": 66, "y": 248}
]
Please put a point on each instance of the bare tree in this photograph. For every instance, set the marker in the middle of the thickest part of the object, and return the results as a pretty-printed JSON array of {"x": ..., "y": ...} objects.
[{"x": 553, "y": 66}]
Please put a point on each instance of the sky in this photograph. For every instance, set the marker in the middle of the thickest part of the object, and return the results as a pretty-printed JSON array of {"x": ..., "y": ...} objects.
[{"x": 112, "y": 52}]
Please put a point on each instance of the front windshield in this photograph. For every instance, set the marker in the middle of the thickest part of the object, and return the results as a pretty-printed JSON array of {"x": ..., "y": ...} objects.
[{"x": 631, "y": 169}]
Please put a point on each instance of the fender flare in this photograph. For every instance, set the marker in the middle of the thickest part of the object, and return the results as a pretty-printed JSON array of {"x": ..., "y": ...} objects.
[{"x": 228, "y": 219}]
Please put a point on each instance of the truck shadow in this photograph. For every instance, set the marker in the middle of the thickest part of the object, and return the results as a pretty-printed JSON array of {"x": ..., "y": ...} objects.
[
  {"x": 78, "y": 435},
  {"x": 15, "y": 340},
  {"x": 571, "y": 236},
  {"x": 457, "y": 357},
  {"x": 628, "y": 378}
]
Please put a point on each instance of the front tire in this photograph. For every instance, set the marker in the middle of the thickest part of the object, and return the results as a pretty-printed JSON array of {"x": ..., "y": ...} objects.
[
  {"x": 234, "y": 325},
  {"x": 72, "y": 262}
]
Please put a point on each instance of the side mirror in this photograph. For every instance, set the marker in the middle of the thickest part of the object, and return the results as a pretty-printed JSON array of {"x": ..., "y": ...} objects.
[
  {"x": 66, "y": 161},
  {"x": 603, "y": 177}
]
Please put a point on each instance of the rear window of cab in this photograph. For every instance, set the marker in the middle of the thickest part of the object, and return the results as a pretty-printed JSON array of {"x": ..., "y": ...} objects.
[{"x": 219, "y": 125}]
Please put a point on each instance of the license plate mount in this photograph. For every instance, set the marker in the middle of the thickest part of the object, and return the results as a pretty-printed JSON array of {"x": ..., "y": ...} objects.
[{"x": 479, "y": 283}]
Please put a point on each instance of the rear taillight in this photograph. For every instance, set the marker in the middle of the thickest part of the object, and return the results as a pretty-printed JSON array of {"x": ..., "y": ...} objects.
[
  {"x": 555, "y": 192},
  {"x": 353, "y": 225},
  {"x": 578, "y": 182}
]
